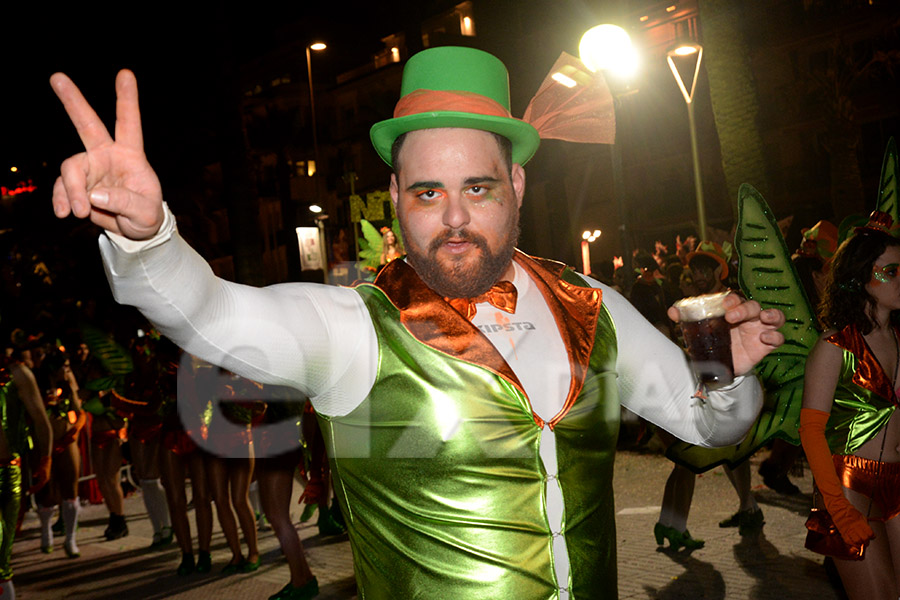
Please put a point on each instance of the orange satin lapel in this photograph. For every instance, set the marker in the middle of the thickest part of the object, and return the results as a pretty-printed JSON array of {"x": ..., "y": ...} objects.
[
  {"x": 436, "y": 324},
  {"x": 869, "y": 373},
  {"x": 432, "y": 321},
  {"x": 575, "y": 309}
]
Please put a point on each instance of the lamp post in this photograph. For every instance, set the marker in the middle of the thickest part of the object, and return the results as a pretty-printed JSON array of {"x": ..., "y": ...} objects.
[
  {"x": 317, "y": 46},
  {"x": 586, "y": 238},
  {"x": 315, "y": 207},
  {"x": 608, "y": 48},
  {"x": 680, "y": 52}
]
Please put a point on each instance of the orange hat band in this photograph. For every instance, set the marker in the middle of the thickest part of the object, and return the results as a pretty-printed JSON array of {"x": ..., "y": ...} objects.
[{"x": 425, "y": 101}]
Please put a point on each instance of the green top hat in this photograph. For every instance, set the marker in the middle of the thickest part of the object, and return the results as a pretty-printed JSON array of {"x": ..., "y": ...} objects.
[{"x": 451, "y": 86}]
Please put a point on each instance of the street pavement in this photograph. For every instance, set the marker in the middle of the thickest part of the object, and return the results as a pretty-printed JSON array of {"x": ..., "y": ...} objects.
[{"x": 772, "y": 565}]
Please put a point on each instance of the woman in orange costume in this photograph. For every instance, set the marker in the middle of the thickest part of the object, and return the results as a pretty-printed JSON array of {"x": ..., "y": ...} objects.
[{"x": 847, "y": 427}]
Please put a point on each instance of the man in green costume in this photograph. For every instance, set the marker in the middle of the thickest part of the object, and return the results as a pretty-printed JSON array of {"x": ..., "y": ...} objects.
[{"x": 469, "y": 397}]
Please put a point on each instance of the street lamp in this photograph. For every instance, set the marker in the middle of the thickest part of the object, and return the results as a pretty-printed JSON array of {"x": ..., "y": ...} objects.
[
  {"x": 681, "y": 52},
  {"x": 317, "y": 46},
  {"x": 586, "y": 238},
  {"x": 608, "y": 48},
  {"x": 320, "y": 220}
]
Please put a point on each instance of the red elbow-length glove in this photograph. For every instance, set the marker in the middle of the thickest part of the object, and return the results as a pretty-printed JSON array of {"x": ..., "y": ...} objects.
[{"x": 852, "y": 524}]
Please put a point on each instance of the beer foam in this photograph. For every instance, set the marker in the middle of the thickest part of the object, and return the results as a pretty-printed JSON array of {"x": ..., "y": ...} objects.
[{"x": 707, "y": 306}]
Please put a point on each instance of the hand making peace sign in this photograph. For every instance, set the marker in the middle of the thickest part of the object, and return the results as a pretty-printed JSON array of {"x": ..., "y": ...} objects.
[{"x": 111, "y": 181}]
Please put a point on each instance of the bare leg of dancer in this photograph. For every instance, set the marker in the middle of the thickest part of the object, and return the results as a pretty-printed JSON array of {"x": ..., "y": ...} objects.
[
  {"x": 877, "y": 576},
  {"x": 217, "y": 468},
  {"x": 240, "y": 471},
  {"x": 107, "y": 459},
  {"x": 202, "y": 503},
  {"x": 275, "y": 485},
  {"x": 749, "y": 518},
  {"x": 174, "y": 476}
]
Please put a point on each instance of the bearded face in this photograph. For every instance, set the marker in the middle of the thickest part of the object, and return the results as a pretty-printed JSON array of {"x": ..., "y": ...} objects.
[
  {"x": 463, "y": 276},
  {"x": 458, "y": 206}
]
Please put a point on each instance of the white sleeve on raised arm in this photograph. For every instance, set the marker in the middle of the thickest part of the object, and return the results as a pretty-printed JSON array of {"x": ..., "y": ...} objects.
[
  {"x": 315, "y": 338},
  {"x": 655, "y": 382}
]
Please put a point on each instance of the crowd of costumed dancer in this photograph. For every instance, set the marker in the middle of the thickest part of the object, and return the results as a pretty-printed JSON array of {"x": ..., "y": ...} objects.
[
  {"x": 833, "y": 386},
  {"x": 169, "y": 406},
  {"x": 113, "y": 398}
]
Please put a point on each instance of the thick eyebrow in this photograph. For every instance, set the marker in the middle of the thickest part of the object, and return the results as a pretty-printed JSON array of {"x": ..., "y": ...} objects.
[
  {"x": 482, "y": 179},
  {"x": 424, "y": 184}
]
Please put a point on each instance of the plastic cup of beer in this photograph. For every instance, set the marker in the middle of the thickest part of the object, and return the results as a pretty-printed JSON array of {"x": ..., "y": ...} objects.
[{"x": 707, "y": 337}]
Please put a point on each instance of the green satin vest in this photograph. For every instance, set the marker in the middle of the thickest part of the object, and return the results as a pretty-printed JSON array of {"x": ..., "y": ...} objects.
[
  {"x": 439, "y": 472},
  {"x": 858, "y": 412}
]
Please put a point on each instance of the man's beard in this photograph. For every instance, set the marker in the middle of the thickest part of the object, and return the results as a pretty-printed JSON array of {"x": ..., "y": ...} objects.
[{"x": 461, "y": 279}]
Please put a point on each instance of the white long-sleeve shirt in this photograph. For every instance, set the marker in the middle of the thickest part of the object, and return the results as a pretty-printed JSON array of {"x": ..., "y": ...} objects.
[{"x": 320, "y": 340}]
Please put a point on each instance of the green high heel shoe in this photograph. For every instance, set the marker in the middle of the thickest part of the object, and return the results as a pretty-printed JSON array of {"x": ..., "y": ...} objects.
[
  {"x": 305, "y": 592},
  {"x": 677, "y": 539}
]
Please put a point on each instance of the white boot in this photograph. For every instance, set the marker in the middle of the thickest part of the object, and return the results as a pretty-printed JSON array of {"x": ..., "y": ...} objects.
[
  {"x": 70, "y": 510},
  {"x": 46, "y": 515},
  {"x": 157, "y": 510}
]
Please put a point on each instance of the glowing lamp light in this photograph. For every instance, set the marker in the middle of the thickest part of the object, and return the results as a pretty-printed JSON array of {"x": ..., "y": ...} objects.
[
  {"x": 564, "y": 80},
  {"x": 608, "y": 48},
  {"x": 468, "y": 26},
  {"x": 586, "y": 238},
  {"x": 14, "y": 169},
  {"x": 315, "y": 208},
  {"x": 685, "y": 50},
  {"x": 317, "y": 46}
]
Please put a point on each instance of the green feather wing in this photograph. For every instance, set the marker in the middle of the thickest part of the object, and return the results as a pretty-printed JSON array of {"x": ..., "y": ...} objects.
[
  {"x": 887, "y": 187},
  {"x": 115, "y": 359},
  {"x": 395, "y": 227},
  {"x": 370, "y": 245},
  {"x": 888, "y": 195},
  {"x": 767, "y": 275}
]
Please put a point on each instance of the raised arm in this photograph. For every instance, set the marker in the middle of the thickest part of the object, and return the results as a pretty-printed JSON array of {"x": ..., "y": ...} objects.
[
  {"x": 314, "y": 338},
  {"x": 111, "y": 182}
]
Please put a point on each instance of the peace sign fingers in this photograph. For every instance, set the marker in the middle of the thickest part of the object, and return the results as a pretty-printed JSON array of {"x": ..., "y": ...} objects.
[
  {"x": 111, "y": 182},
  {"x": 89, "y": 126},
  {"x": 128, "y": 113}
]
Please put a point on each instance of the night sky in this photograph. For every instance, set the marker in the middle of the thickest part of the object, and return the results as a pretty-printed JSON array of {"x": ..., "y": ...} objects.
[
  {"x": 177, "y": 57},
  {"x": 175, "y": 54}
]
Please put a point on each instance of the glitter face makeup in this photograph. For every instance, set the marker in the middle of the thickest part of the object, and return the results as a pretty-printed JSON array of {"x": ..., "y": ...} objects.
[{"x": 886, "y": 273}]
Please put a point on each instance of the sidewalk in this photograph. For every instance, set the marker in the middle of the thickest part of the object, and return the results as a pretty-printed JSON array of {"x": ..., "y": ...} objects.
[{"x": 773, "y": 566}]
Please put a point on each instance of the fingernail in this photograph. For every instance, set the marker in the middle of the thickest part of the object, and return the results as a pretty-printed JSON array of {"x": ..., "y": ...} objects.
[{"x": 100, "y": 198}]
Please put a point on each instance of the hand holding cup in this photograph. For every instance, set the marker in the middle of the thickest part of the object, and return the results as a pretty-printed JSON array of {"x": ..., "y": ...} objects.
[{"x": 753, "y": 331}]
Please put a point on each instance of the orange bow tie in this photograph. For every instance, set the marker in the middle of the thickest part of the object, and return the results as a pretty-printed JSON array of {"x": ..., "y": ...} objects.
[{"x": 502, "y": 295}]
